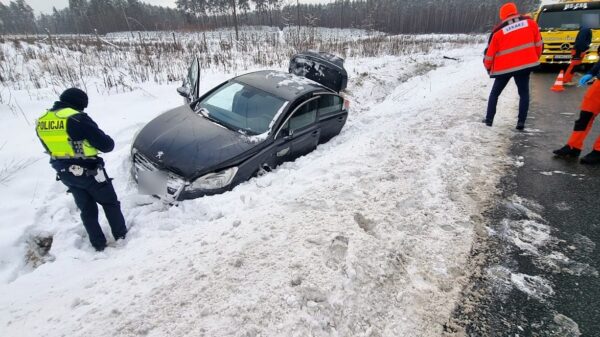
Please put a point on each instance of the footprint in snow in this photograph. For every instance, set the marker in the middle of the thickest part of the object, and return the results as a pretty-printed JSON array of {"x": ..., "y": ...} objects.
[
  {"x": 365, "y": 224},
  {"x": 338, "y": 250}
]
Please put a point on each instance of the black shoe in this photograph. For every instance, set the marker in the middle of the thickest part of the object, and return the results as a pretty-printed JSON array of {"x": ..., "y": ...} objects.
[
  {"x": 486, "y": 122},
  {"x": 100, "y": 248},
  {"x": 567, "y": 152},
  {"x": 520, "y": 126},
  {"x": 592, "y": 158}
]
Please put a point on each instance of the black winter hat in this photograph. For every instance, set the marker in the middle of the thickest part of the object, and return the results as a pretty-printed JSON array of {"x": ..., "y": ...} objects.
[{"x": 77, "y": 98}]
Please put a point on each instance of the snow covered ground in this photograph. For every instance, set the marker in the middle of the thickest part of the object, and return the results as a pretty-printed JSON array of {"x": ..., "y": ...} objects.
[{"x": 366, "y": 236}]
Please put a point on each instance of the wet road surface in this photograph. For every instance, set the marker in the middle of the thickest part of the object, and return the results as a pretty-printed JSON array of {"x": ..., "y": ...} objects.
[{"x": 537, "y": 262}]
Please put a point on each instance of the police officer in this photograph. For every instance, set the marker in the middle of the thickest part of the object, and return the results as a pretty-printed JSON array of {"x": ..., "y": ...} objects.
[{"x": 73, "y": 141}]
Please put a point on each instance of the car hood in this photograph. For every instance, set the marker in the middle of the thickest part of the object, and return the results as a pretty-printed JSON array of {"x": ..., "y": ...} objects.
[{"x": 189, "y": 144}]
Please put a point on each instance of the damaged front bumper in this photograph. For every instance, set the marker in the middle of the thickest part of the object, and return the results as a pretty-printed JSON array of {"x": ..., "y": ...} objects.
[{"x": 152, "y": 180}]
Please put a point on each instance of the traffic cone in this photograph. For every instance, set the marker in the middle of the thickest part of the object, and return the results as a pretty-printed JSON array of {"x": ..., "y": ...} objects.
[{"x": 558, "y": 84}]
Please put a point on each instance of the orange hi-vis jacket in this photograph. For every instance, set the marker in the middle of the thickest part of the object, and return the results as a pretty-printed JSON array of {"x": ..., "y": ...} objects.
[{"x": 515, "y": 44}]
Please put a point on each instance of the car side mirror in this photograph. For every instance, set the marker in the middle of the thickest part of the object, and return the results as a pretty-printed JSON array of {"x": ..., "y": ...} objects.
[
  {"x": 286, "y": 133},
  {"x": 184, "y": 91}
]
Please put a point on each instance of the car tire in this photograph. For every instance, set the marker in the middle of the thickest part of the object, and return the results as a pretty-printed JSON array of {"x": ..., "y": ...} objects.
[{"x": 262, "y": 170}]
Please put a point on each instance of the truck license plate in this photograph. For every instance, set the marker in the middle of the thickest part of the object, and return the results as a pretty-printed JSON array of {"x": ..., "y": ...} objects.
[{"x": 562, "y": 57}]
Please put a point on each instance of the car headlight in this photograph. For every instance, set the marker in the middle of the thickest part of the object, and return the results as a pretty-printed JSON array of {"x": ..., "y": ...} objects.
[
  {"x": 214, "y": 181},
  {"x": 135, "y": 134}
]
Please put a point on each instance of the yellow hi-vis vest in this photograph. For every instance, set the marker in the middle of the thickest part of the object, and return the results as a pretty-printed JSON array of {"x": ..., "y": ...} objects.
[{"x": 52, "y": 130}]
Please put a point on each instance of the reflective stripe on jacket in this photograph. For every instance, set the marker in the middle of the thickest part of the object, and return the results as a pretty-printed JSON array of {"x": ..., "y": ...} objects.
[
  {"x": 516, "y": 44},
  {"x": 52, "y": 130}
]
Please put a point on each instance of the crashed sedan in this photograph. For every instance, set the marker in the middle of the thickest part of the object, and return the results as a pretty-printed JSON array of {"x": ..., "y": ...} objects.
[{"x": 241, "y": 128}]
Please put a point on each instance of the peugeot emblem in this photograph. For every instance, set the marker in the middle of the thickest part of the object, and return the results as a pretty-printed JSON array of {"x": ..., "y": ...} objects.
[
  {"x": 159, "y": 155},
  {"x": 565, "y": 46}
]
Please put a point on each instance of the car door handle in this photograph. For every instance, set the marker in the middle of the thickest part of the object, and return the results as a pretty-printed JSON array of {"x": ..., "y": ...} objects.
[
  {"x": 341, "y": 118},
  {"x": 283, "y": 152},
  {"x": 315, "y": 133}
]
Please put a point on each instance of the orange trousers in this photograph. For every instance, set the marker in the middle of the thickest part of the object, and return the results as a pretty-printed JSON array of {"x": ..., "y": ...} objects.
[
  {"x": 590, "y": 108},
  {"x": 575, "y": 61}
]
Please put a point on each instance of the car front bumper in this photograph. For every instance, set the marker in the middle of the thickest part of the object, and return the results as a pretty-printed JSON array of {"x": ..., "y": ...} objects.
[
  {"x": 554, "y": 58},
  {"x": 168, "y": 186}
]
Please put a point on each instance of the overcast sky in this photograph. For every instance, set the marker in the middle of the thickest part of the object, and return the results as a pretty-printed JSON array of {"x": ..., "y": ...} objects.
[{"x": 45, "y": 6}]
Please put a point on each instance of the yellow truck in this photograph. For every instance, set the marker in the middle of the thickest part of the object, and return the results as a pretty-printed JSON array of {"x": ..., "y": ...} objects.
[{"x": 559, "y": 24}]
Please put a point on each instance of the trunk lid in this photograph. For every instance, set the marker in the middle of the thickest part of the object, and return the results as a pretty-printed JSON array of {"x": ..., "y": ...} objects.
[{"x": 324, "y": 68}]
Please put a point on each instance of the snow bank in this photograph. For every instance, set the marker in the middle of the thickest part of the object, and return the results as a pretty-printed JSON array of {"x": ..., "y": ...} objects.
[{"x": 366, "y": 236}]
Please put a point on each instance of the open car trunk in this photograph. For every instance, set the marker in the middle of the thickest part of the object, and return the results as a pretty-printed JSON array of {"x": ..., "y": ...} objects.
[{"x": 321, "y": 67}]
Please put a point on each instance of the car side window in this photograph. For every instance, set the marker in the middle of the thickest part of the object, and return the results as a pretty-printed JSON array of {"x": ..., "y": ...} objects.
[
  {"x": 330, "y": 104},
  {"x": 304, "y": 116}
]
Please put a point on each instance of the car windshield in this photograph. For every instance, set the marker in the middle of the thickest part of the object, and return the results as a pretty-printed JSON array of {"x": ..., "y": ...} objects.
[
  {"x": 242, "y": 107},
  {"x": 567, "y": 20}
]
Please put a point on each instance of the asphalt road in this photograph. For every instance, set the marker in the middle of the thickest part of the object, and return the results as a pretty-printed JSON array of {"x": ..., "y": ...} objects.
[{"x": 538, "y": 270}]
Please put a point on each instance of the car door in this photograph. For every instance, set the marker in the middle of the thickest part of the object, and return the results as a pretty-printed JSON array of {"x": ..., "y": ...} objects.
[
  {"x": 300, "y": 133},
  {"x": 332, "y": 115},
  {"x": 190, "y": 88}
]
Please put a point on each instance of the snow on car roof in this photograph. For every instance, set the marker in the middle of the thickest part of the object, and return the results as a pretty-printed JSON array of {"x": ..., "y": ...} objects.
[{"x": 281, "y": 84}]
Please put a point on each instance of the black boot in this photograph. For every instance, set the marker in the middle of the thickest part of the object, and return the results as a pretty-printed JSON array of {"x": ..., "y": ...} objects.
[
  {"x": 486, "y": 122},
  {"x": 520, "y": 126},
  {"x": 592, "y": 158},
  {"x": 567, "y": 152}
]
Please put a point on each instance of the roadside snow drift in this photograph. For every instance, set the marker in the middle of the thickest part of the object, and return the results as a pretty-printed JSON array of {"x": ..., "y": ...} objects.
[{"x": 366, "y": 236}]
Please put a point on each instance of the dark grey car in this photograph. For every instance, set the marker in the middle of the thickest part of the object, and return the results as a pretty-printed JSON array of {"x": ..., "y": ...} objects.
[{"x": 242, "y": 127}]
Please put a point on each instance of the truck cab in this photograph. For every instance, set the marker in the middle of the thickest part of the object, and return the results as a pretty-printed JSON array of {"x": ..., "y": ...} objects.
[{"x": 559, "y": 24}]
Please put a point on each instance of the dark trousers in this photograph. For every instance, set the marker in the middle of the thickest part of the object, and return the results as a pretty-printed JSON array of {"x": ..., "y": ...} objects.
[
  {"x": 87, "y": 193},
  {"x": 522, "y": 81}
]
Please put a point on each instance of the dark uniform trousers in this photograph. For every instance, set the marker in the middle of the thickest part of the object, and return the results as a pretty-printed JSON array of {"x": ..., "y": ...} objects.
[
  {"x": 87, "y": 193},
  {"x": 522, "y": 81}
]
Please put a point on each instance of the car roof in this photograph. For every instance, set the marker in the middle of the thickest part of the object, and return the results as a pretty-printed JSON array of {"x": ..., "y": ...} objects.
[{"x": 281, "y": 84}]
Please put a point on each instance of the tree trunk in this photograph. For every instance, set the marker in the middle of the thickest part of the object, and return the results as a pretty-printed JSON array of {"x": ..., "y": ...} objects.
[
  {"x": 342, "y": 15},
  {"x": 298, "y": 17},
  {"x": 235, "y": 21}
]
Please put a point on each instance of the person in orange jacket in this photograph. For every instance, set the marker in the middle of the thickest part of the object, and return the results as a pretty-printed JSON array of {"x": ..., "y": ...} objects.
[
  {"x": 514, "y": 49},
  {"x": 590, "y": 108}
]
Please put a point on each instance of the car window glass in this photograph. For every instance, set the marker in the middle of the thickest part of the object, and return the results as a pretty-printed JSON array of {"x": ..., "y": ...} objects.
[
  {"x": 329, "y": 104},
  {"x": 243, "y": 107},
  {"x": 569, "y": 20},
  {"x": 223, "y": 99},
  {"x": 304, "y": 116}
]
